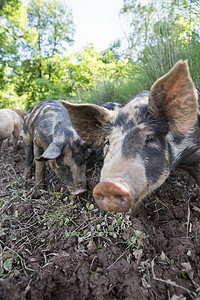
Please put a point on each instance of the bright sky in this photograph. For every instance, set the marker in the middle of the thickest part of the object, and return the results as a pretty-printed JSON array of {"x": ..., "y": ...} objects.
[{"x": 97, "y": 22}]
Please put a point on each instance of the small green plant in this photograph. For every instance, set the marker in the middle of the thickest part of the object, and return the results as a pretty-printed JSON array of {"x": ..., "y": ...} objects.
[
  {"x": 100, "y": 246},
  {"x": 136, "y": 241},
  {"x": 89, "y": 206},
  {"x": 71, "y": 234}
]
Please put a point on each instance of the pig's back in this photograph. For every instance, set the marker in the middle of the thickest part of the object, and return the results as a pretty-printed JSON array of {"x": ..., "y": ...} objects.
[
  {"x": 49, "y": 118},
  {"x": 46, "y": 114}
]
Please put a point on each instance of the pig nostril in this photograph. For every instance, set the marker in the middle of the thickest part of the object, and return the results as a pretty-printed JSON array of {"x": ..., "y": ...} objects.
[
  {"x": 100, "y": 198},
  {"x": 120, "y": 199}
]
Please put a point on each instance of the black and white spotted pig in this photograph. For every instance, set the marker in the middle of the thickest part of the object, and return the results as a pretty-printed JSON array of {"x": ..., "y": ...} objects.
[
  {"x": 111, "y": 105},
  {"x": 49, "y": 135},
  {"x": 144, "y": 140}
]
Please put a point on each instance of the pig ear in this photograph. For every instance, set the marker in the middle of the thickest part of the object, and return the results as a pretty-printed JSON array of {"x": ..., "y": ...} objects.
[
  {"x": 89, "y": 120},
  {"x": 52, "y": 152},
  {"x": 174, "y": 97}
]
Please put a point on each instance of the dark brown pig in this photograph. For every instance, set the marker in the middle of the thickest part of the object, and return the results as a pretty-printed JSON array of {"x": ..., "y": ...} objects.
[
  {"x": 10, "y": 125},
  {"x": 145, "y": 140},
  {"x": 50, "y": 136}
]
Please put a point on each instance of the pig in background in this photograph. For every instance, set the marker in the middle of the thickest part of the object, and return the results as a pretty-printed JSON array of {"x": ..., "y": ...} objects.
[
  {"x": 144, "y": 140},
  {"x": 50, "y": 136},
  {"x": 11, "y": 124},
  {"x": 20, "y": 112}
]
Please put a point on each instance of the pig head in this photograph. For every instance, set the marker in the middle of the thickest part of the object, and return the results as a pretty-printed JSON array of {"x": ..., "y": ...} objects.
[{"x": 143, "y": 141}]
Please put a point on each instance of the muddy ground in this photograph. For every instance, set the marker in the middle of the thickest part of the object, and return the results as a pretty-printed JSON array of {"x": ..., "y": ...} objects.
[{"x": 59, "y": 247}]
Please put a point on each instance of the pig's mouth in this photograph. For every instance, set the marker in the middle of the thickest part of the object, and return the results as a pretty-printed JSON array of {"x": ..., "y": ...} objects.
[
  {"x": 77, "y": 191},
  {"x": 112, "y": 196}
]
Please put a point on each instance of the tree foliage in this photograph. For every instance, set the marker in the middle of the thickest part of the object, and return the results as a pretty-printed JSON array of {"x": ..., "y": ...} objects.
[
  {"x": 36, "y": 61},
  {"x": 162, "y": 32}
]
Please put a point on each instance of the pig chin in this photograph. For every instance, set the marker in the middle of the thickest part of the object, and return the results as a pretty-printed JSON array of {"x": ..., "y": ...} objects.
[{"x": 112, "y": 195}]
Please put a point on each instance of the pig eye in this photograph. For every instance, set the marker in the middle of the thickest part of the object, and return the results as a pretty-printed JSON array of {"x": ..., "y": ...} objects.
[
  {"x": 107, "y": 143},
  {"x": 150, "y": 138},
  {"x": 87, "y": 154}
]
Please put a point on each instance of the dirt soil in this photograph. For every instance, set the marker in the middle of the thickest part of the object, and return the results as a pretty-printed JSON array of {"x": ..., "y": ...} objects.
[{"x": 59, "y": 247}]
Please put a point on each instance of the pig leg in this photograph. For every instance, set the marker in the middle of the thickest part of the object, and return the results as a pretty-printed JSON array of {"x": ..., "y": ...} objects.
[
  {"x": 8, "y": 142},
  {"x": 29, "y": 161},
  {"x": 194, "y": 171},
  {"x": 15, "y": 139},
  {"x": 16, "y": 135},
  {"x": 40, "y": 167}
]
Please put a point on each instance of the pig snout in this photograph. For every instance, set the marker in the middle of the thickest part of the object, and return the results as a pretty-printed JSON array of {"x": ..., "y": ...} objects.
[
  {"x": 112, "y": 196},
  {"x": 77, "y": 191}
]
